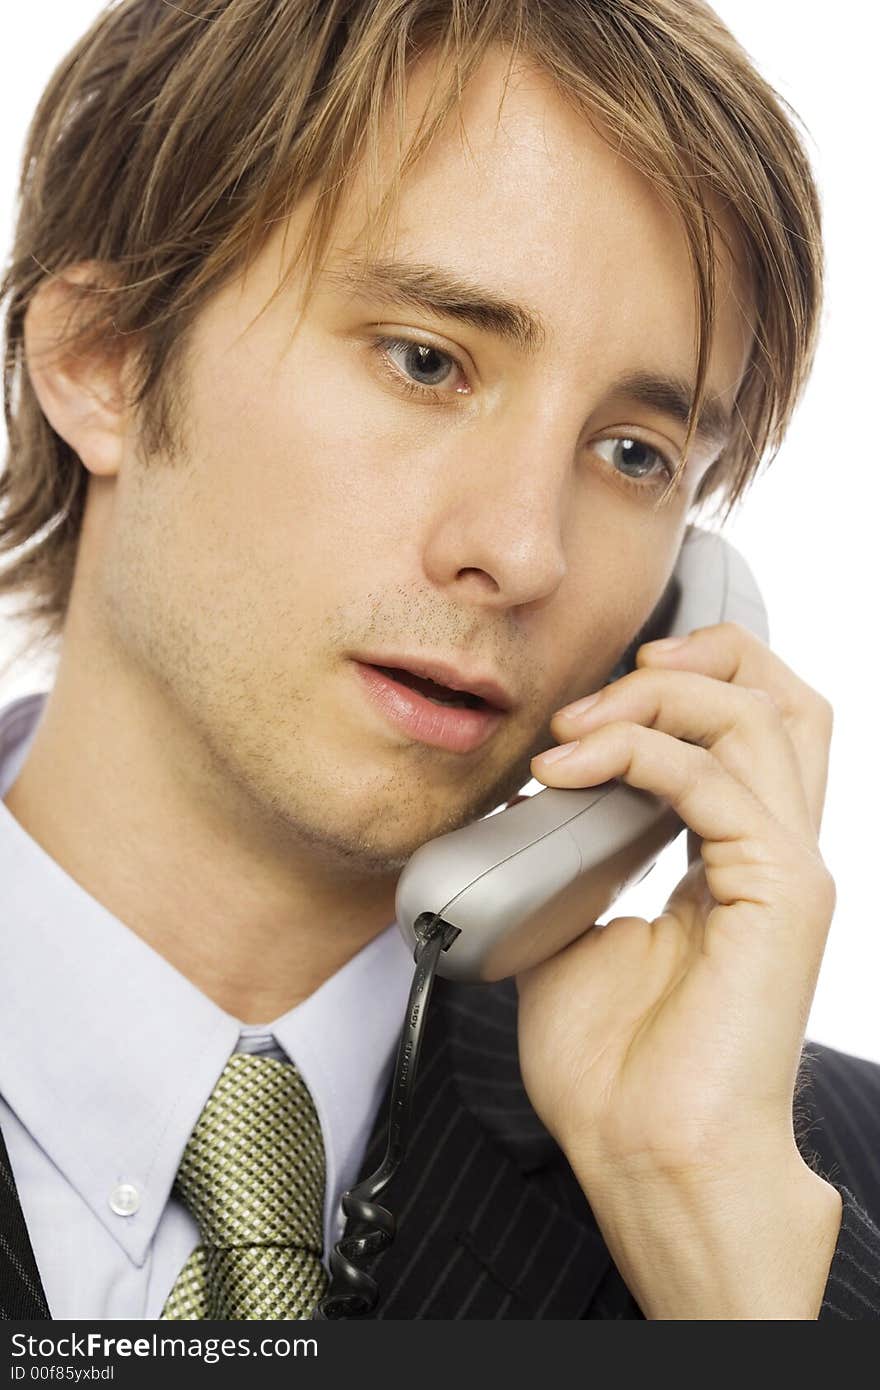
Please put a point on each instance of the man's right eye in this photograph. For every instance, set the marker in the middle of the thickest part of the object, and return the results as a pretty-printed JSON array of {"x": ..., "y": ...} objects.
[{"x": 418, "y": 368}]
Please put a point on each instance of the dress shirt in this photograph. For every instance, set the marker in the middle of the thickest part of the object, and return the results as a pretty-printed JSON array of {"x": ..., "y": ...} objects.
[{"x": 108, "y": 1055}]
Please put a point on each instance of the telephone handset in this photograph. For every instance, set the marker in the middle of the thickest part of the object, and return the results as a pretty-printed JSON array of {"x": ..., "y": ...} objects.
[
  {"x": 520, "y": 884},
  {"x": 493, "y": 898}
]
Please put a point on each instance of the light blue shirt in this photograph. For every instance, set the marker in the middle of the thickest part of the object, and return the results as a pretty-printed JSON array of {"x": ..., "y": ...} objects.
[{"x": 108, "y": 1055}]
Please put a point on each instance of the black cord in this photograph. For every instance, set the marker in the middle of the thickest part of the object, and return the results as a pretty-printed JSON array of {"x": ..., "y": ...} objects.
[{"x": 352, "y": 1291}]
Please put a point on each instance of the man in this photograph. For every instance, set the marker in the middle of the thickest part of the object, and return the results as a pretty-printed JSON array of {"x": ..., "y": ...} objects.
[{"x": 455, "y": 450}]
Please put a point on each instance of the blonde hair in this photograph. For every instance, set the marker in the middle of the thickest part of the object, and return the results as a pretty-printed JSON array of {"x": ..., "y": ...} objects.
[{"x": 170, "y": 140}]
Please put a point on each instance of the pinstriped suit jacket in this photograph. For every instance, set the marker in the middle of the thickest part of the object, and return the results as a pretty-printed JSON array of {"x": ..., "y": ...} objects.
[{"x": 491, "y": 1221}]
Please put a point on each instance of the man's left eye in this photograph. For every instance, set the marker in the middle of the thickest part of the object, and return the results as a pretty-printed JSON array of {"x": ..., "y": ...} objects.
[{"x": 624, "y": 454}]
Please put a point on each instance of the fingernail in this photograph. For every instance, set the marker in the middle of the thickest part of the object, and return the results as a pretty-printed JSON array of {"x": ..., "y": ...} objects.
[
  {"x": 666, "y": 644},
  {"x": 580, "y": 705},
  {"x": 562, "y": 750}
]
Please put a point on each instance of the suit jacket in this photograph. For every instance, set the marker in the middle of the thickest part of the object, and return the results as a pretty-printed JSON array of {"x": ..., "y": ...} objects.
[{"x": 491, "y": 1221}]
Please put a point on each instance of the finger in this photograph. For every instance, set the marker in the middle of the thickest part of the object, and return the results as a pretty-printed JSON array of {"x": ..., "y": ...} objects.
[
  {"x": 730, "y": 652},
  {"x": 691, "y": 901},
  {"x": 742, "y": 728},
  {"x": 748, "y": 855}
]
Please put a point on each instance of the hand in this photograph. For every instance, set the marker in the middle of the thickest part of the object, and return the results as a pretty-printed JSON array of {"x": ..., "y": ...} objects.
[{"x": 663, "y": 1054}]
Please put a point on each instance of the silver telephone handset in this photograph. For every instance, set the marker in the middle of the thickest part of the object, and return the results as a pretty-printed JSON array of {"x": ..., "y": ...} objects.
[{"x": 520, "y": 884}]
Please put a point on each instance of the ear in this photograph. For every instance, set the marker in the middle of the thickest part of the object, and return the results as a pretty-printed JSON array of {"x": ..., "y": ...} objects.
[{"x": 81, "y": 395}]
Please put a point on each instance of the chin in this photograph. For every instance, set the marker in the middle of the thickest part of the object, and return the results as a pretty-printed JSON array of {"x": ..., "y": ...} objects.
[{"x": 374, "y": 827}]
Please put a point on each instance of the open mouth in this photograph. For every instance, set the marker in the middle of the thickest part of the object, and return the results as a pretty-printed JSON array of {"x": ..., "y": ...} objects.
[
  {"x": 440, "y": 694},
  {"x": 427, "y": 711}
]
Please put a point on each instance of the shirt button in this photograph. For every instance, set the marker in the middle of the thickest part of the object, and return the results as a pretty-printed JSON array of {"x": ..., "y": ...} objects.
[{"x": 125, "y": 1199}]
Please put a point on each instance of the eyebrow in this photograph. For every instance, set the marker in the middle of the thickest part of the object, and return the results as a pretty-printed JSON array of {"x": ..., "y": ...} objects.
[
  {"x": 445, "y": 294},
  {"x": 673, "y": 396}
]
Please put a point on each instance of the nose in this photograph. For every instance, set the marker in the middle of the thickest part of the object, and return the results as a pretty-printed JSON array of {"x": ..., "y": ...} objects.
[{"x": 499, "y": 524}]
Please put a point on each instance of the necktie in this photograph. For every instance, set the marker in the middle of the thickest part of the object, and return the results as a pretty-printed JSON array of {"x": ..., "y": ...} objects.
[{"x": 252, "y": 1175}]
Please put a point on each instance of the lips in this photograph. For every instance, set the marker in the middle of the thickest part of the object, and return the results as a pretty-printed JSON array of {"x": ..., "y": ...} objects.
[
  {"x": 440, "y": 694},
  {"x": 438, "y": 716},
  {"x": 442, "y": 679}
]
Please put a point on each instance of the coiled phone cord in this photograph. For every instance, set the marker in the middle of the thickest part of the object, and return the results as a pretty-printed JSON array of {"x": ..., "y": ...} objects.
[{"x": 352, "y": 1291}]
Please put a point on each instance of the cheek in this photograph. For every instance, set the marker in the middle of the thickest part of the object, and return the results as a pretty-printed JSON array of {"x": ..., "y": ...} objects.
[
  {"x": 301, "y": 454},
  {"x": 618, "y": 589}
]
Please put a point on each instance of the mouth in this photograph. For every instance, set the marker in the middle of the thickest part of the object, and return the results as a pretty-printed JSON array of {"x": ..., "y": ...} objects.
[
  {"x": 439, "y": 694},
  {"x": 459, "y": 721}
]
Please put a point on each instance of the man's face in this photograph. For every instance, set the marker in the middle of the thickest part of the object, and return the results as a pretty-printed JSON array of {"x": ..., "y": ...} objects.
[{"x": 475, "y": 502}]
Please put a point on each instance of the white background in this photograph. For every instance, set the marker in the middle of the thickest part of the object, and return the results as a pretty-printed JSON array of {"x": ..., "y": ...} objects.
[{"x": 809, "y": 527}]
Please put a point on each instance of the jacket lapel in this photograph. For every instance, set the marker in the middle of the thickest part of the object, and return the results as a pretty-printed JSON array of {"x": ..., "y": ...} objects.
[
  {"x": 21, "y": 1289},
  {"x": 483, "y": 1200}
]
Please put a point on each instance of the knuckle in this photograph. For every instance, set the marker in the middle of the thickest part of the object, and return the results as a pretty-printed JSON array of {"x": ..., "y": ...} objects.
[
  {"x": 700, "y": 764},
  {"x": 756, "y": 693},
  {"x": 815, "y": 709},
  {"x": 624, "y": 732},
  {"x": 825, "y": 889},
  {"x": 736, "y": 631},
  {"x": 824, "y": 712},
  {"x": 815, "y": 874},
  {"x": 763, "y": 703}
]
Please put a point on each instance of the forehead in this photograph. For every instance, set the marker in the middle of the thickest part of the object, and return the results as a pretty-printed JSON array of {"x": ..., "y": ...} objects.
[{"x": 520, "y": 192}]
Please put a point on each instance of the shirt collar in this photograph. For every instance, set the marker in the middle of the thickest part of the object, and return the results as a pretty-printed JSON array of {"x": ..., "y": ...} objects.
[{"x": 110, "y": 1061}]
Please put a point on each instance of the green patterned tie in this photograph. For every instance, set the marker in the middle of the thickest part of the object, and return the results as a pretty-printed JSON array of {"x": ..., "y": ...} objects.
[{"x": 252, "y": 1175}]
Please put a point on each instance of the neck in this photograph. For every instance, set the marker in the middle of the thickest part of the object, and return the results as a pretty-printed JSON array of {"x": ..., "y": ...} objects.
[{"x": 115, "y": 790}]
